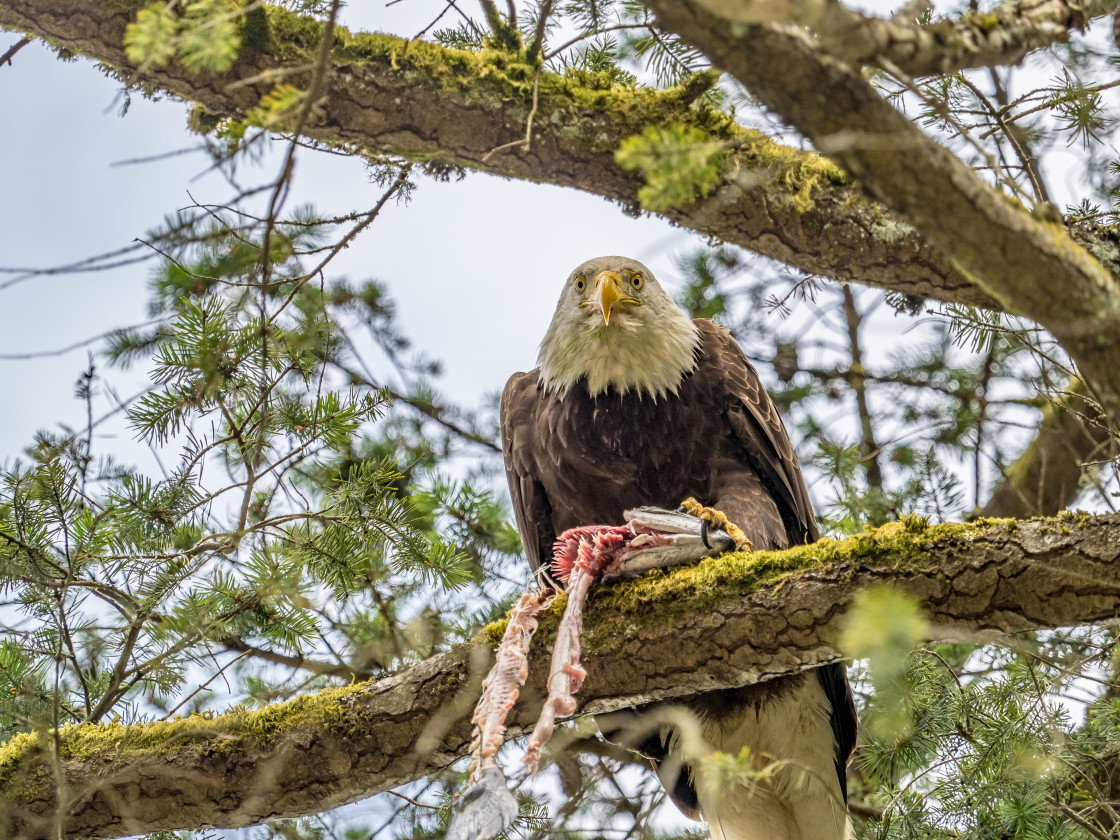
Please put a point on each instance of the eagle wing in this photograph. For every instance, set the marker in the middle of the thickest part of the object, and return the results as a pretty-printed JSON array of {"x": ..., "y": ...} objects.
[
  {"x": 530, "y": 502},
  {"x": 759, "y": 431},
  {"x": 760, "y": 434}
]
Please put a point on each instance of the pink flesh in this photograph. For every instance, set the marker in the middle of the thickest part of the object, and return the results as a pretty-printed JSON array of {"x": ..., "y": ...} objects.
[
  {"x": 592, "y": 547},
  {"x": 503, "y": 683},
  {"x": 582, "y": 557},
  {"x": 597, "y": 551}
]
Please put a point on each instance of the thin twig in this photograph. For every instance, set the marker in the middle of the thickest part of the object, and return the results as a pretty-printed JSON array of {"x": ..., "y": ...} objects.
[
  {"x": 413, "y": 801},
  {"x": 61, "y": 351},
  {"x": 161, "y": 156},
  {"x": 536, "y": 46},
  {"x": 280, "y": 189},
  {"x": 202, "y": 687},
  {"x": 585, "y": 35},
  {"x": 6, "y": 58},
  {"x": 524, "y": 143},
  {"x": 446, "y": 8}
]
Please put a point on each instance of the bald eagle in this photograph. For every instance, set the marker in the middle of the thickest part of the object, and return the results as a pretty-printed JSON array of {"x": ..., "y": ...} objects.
[{"x": 634, "y": 403}]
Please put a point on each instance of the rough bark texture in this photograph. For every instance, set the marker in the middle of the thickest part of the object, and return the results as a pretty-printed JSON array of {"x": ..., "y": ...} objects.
[
  {"x": 1032, "y": 266},
  {"x": 726, "y": 622},
  {"x": 1001, "y": 36},
  {"x": 445, "y": 106}
]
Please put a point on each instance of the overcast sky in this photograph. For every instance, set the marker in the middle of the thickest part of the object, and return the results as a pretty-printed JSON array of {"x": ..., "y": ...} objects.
[{"x": 475, "y": 266}]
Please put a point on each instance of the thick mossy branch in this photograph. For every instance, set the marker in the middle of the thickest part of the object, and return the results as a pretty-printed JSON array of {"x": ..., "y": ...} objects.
[
  {"x": 1000, "y": 36},
  {"x": 453, "y": 108},
  {"x": 1033, "y": 266},
  {"x": 725, "y": 622}
]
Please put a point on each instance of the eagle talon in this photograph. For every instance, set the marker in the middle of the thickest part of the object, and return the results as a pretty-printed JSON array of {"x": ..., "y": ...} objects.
[{"x": 711, "y": 517}]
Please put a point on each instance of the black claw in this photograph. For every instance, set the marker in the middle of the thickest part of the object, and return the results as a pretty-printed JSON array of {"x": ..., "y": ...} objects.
[
  {"x": 704, "y": 533},
  {"x": 682, "y": 509}
]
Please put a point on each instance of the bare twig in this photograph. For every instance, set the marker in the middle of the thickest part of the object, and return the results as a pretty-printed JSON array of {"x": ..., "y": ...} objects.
[
  {"x": 6, "y": 58},
  {"x": 524, "y": 143},
  {"x": 536, "y": 46}
]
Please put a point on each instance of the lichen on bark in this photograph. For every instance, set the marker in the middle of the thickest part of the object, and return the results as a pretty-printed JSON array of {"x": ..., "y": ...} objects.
[
  {"x": 724, "y": 622},
  {"x": 452, "y": 108}
]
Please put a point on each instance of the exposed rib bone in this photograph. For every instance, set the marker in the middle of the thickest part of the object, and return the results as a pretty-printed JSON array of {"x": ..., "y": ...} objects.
[
  {"x": 503, "y": 683},
  {"x": 598, "y": 552}
]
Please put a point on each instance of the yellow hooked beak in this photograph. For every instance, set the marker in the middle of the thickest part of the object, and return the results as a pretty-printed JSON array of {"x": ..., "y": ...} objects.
[{"x": 608, "y": 292}]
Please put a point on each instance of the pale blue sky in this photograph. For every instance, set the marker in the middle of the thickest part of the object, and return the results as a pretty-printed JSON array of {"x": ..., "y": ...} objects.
[{"x": 475, "y": 266}]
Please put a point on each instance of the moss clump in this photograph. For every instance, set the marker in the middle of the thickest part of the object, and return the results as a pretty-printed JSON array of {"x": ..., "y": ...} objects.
[
  {"x": 210, "y": 733},
  {"x": 593, "y": 110},
  {"x": 491, "y": 634},
  {"x": 984, "y": 21},
  {"x": 255, "y": 29},
  {"x": 294, "y": 39},
  {"x": 889, "y": 232},
  {"x": 914, "y": 523},
  {"x": 1106, "y": 252},
  {"x": 202, "y": 120},
  {"x": 801, "y": 174}
]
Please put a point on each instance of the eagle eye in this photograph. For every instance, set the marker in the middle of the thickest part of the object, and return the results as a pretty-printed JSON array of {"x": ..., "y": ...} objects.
[
  {"x": 580, "y": 283},
  {"x": 637, "y": 281}
]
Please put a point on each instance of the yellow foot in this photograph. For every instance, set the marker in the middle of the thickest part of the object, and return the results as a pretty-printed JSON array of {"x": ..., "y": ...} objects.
[{"x": 713, "y": 518}]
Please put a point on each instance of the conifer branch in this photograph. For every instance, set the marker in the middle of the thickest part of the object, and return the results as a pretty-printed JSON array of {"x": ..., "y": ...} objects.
[
  {"x": 422, "y": 101},
  {"x": 316, "y": 752}
]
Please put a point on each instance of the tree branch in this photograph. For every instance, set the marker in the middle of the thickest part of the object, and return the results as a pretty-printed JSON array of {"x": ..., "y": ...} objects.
[
  {"x": 868, "y": 448},
  {"x": 1047, "y": 476},
  {"x": 1031, "y": 265},
  {"x": 6, "y": 58},
  {"x": 993, "y": 38},
  {"x": 447, "y": 107},
  {"x": 729, "y": 622},
  {"x": 298, "y": 663}
]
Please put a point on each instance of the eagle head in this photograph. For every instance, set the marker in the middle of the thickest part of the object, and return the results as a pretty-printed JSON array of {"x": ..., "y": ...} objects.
[{"x": 615, "y": 327}]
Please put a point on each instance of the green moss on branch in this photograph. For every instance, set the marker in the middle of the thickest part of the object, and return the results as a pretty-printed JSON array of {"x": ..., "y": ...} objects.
[
  {"x": 670, "y": 597},
  {"x": 234, "y": 730},
  {"x": 583, "y": 109}
]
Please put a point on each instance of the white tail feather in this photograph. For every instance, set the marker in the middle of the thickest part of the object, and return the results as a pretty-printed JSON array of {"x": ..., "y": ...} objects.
[{"x": 801, "y": 799}]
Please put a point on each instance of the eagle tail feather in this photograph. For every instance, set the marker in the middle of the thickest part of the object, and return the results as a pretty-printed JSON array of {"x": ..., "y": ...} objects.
[
  {"x": 749, "y": 815},
  {"x": 759, "y": 815}
]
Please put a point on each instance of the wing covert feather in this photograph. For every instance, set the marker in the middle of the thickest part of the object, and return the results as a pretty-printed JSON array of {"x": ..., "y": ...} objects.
[
  {"x": 758, "y": 427},
  {"x": 531, "y": 507}
]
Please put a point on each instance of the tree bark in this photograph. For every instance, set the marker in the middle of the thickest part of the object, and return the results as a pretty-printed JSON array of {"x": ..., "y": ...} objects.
[
  {"x": 450, "y": 108},
  {"x": 1032, "y": 266},
  {"x": 1004, "y": 35},
  {"x": 728, "y": 622}
]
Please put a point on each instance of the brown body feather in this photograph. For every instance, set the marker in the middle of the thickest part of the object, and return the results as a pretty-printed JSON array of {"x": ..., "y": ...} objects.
[{"x": 576, "y": 460}]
